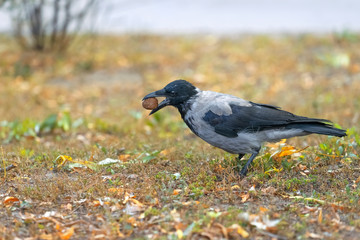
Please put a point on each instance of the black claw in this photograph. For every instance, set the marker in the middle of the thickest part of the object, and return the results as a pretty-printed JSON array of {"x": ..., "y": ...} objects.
[{"x": 243, "y": 172}]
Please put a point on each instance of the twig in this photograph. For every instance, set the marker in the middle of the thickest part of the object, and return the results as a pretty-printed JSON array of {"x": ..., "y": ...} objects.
[
  {"x": 8, "y": 168},
  {"x": 310, "y": 199},
  {"x": 322, "y": 202}
]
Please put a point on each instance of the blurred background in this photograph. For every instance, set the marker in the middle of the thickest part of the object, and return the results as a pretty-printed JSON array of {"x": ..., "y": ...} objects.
[{"x": 229, "y": 17}]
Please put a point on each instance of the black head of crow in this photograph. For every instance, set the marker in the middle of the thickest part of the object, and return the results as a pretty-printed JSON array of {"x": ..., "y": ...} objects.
[{"x": 236, "y": 125}]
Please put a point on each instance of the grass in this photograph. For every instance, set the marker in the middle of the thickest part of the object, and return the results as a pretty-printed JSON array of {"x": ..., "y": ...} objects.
[{"x": 90, "y": 163}]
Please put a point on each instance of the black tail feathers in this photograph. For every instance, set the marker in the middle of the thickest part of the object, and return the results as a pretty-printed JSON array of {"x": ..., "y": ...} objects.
[{"x": 320, "y": 128}]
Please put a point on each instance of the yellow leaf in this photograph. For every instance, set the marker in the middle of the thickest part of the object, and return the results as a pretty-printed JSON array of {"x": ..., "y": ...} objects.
[
  {"x": 58, "y": 226},
  {"x": 242, "y": 232},
  {"x": 67, "y": 234},
  {"x": 62, "y": 159},
  {"x": 165, "y": 152},
  {"x": 131, "y": 220},
  {"x": 320, "y": 217},
  {"x": 116, "y": 190},
  {"x": 179, "y": 233},
  {"x": 136, "y": 202},
  {"x": 276, "y": 145},
  {"x": 235, "y": 187},
  {"x": 286, "y": 151}
]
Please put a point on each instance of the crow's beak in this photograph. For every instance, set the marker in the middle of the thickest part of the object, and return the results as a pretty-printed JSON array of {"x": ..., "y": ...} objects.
[{"x": 160, "y": 93}]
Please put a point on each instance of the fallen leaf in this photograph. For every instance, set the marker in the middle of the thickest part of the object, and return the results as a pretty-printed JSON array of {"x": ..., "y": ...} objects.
[
  {"x": 260, "y": 221},
  {"x": 244, "y": 197},
  {"x": 175, "y": 215},
  {"x": 165, "y": 152},
  {"x": 268, "y": 190},
  {"x": 320, "y": 217},
  {"x": 136, "y": 202},
  {"x": 277, "y": 144},
  {"x": 222, "y": 229},
  {"x": 132, "y": 221},
  {"x": 262, "y": 209},
  {"x": 179, "y": 233},
  {"x": 10, "y": 200},
  {"x": 286, "y": 151},
  {"x": 218, "y": 168},
  {"x": 62, "y": 159},
  {"x": 124, "y": 157},
  {"x": 180, "y": 226},
  {"x": 240, "y": 230},
  {"x": 45, "y": 236},
  {"x": 133, "y": 209},
  {"x": 313, "y": 235},
  {"x": 108, "y": 161},
  {"x": 302, "y": 167},
  {"x": 96, "y": 203},
  {"x": 176, "y": 192},
  {"x": 357, "y": 180},
  {"x": 116, "y": 190}
]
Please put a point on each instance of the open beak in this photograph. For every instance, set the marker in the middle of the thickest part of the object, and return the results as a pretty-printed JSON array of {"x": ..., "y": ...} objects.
[{"x": 159, "y": 93}]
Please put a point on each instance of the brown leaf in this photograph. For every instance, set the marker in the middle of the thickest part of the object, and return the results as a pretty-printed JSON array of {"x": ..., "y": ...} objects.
[
  {"x": 65, "y": 235},
  {"x": 222, "y": 229},
  {"x": 244, "y": 197},
  {"x": 269, "y": 190},
  {"x": 218, "y": 168},
  {"x": 180, "y": 225},
  {"x": 45, "y": 236},
  {"x": 302, "y": 167},
  {"x": 313, "y": 235},
  {"x": 10, "y": 200}
]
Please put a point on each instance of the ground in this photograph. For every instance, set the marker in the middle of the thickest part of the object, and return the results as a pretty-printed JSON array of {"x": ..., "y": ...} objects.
[{"x": 85, "y": 161}]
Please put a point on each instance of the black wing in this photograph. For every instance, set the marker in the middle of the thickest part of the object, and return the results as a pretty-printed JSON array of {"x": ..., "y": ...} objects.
[{"x": 256, "y": 117}]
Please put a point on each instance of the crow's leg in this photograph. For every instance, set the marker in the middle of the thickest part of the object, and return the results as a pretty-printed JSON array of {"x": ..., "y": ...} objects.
[
  {"x": 244, "y": 170},
  {"x": 238, "y": 161}
]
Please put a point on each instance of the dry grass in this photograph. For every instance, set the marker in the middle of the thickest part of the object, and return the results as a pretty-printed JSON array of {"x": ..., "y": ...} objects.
[{"x": 169, "y": 184}]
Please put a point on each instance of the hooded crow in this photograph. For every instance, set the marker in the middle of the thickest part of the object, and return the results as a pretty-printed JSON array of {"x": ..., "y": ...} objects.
[{"x": 236, "y": 125}]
